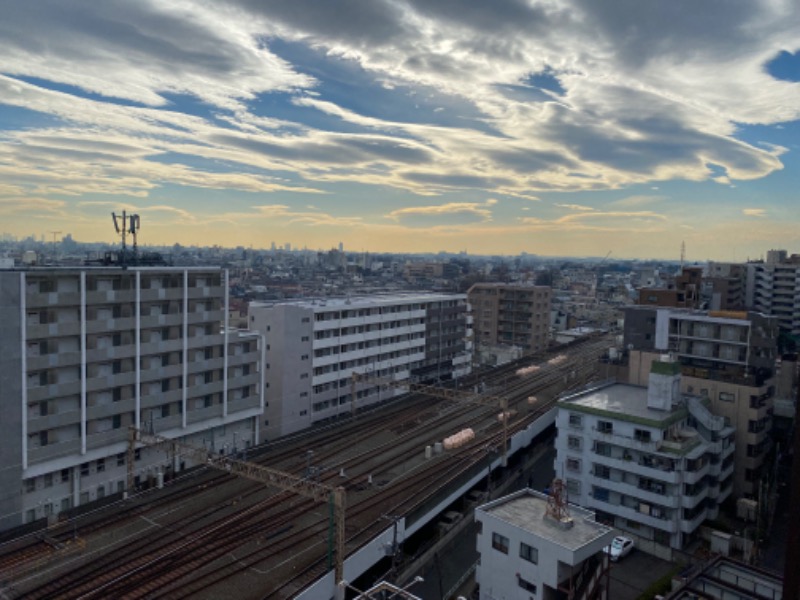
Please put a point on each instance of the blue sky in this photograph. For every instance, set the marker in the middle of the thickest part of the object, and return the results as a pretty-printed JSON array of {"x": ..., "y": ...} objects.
[{"x": 551, "y": 127}]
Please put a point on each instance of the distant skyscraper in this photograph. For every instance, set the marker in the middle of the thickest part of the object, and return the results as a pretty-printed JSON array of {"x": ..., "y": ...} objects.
[
  {"x": 288, "y": 247},
  {"x": 272, "y": 247},
  {"x": 341, "y": 247}
]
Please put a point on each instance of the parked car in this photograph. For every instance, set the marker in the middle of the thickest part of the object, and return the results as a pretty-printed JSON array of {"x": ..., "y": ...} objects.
[{"x": 620, "y": 546}]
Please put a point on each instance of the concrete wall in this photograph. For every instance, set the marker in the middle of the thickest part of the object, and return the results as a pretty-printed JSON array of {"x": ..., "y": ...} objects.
[
  {"x": 288, "y": 339},
  {"x": 11, "y": 383}
]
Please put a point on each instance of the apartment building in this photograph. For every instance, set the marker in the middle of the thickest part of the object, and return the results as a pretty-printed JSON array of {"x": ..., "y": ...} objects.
[
  {"x": 650, "y": 461},
  {"x": 681, "y": 291},
  {"x": 88, "y": 352},
  {"x": 773, "y": 288},
  {"x": 529, "y": 551},
  {"x": 511, "y": 314},
  {"x": 319, "y": 351},
  {"x": 727, "y": 357}
]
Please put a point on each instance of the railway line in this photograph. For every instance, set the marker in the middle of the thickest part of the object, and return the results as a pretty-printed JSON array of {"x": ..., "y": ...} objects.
[{"x": 208, "y": 534}]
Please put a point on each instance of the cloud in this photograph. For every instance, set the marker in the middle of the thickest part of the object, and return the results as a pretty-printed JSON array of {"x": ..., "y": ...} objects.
[
  {"x": 461, "y": 212},
  {"x": 639, "y": 221},
  {"x": 399, "y": 97},
  {"x": 579, "y": 207},
  {"x": 754, "y": 212}
]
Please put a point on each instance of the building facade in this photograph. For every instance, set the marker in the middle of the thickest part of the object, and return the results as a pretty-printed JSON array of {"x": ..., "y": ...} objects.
[
  {"x": 727, "y": 357},
  {"x": 650, "y": 461},
  {"x": 773, "y": 288},
  {"x": 509, "y": 314},
  {"x": 88, "y": 352},
  {"x": 319, "y": 352},
  {"x": 526, "y": 552}
]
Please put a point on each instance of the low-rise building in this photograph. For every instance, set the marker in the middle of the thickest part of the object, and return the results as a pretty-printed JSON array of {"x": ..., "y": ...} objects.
[
  {"x": 532, "y": 547},
  {"x": 319, "y": 351},
  {"x": 724, "y": 578},
  {"x": 650, "y": 461}
]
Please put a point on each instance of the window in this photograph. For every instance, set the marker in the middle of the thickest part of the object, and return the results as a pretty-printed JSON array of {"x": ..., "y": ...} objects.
[
  {"x": 602, "y": 449},
  {"x": 574, "y": 442},
  {"x": 304, "y": 338},
  {"x": 116, "y": 421},
  {"x": 573, "y": 464},
  {"x": 641, "y": 435},
  {"x": 164, "y": 410},
  {"x": 602, "y": 471},
  {"x": 601, "y": 494},
  {"x": 117, "y": 394},
  {"x": 30, "y": 485},
  {"x": 43, "y": 439},
  {"x": 605, "y": 426},
  {"x": 64, "y": 475},
  {"x": 573, "y": 486},
  {"x": 528, "y": 553},
  {"x": 575, "y": 420},
  {"x": 726, "y": 397},
  {"x": 85, "y": 469},
  {"x": 120, "y": 459},
  {"x": 500, "y": 543},
  {"x": 526, "y": 585},
  {"x": 101, "y": 465}
]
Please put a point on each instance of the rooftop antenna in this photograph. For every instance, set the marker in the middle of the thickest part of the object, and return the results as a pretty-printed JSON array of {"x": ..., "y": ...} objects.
[
  {"x": 126, "y": 224},
  {"x": 557, "y": 502},
  {"x": 123, "y": 230},
  {"x": 55, "y": 252}
]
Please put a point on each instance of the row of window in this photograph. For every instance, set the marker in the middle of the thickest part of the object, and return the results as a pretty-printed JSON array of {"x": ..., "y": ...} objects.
[{"x": 526, "y": 552}]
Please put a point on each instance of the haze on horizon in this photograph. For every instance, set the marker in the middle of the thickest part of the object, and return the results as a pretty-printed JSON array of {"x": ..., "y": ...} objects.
[{"x": 556, "y": 127}]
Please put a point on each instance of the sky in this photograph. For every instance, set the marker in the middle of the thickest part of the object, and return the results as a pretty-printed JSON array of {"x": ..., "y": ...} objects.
[{"x": 557, "y": 127}]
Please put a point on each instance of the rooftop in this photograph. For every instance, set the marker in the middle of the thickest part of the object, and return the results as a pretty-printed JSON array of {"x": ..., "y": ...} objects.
[
  {"x": 526, "y": 509},
  {"x": 622, "y": 401},
  {"x": 362, "y": 301}
]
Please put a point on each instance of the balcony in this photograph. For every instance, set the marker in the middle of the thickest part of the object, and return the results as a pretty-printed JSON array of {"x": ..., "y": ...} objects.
[
  {"x": 691, "y": 477},
  {"x": 654, "y": 471},
  {"x": 664, "y": 498},
  {"x": 662, "y": 522}
]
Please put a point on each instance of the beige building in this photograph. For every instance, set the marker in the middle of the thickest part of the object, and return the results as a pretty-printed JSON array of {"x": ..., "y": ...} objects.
[
  {"x": 511, "y": 314},
  {"x": 727, "y": 357}
]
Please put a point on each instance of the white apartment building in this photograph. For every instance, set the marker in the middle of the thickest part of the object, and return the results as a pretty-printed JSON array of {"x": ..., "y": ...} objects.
[
  {"x": 773, "y": 288},
  {"x": 88, "y": 352},
  {"x": 527, "y": 553},
  {"x": 649, "y": 461},
  {"x": 315, "y": 347}
]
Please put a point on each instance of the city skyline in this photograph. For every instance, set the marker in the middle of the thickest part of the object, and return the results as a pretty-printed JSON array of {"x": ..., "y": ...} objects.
[{"x": 552, "y": 128}]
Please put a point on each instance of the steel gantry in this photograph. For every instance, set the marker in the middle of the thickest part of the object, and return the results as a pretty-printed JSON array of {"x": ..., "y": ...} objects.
[{"x": 319, "y": 492}]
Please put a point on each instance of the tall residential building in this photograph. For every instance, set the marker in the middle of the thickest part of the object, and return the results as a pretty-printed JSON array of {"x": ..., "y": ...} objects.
[
  {"x": 87, "y": 352},
  {"x": 773, "y": 288},
  {"x": 724, "y": 286},
  {"x": 315, "y": 347},
  {"x": 727, "y": 357},
  {"x": 528, "y": 550},
  {"x": 511, "y": 314},
  {"x": 649, "y": 461}
]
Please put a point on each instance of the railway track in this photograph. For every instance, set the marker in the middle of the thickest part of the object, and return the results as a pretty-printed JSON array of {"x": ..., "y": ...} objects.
[{"x": 238, "y": 531}]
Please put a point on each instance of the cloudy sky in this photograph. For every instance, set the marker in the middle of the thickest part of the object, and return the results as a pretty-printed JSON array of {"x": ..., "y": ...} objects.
[{"x": 556, "y": 127}]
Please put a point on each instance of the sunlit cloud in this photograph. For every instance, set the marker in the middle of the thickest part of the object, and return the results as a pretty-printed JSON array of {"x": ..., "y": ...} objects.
[{"x": 754, "y": 212}]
